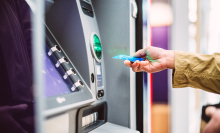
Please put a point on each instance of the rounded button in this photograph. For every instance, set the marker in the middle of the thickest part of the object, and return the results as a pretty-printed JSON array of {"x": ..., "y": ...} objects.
[
  {"x": 81, "y": 83},
  {"x": 58, "y": 48}
]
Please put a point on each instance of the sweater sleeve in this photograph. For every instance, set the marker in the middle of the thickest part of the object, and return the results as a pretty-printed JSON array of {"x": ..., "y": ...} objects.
[{"x": 197, "y": 71}]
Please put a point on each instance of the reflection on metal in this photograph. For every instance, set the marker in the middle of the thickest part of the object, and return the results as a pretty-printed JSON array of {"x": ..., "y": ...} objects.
[
  {"x": 31, "y": 4},
  {"x": 38, "y": 47},
  {"x": 134, "y": 9}
]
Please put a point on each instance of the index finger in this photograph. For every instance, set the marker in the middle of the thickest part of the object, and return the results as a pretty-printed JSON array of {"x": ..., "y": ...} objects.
[
  {"x": 140, "y": 53},
  {"x": 127, "y": 63}
]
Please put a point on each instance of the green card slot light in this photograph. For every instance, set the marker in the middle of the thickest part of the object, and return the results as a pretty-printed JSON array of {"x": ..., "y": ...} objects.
[{"x": 96, "y": 47}]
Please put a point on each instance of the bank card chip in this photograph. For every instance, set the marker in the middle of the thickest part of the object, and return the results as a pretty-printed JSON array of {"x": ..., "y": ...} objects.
[{"x": 130, "y": 58}]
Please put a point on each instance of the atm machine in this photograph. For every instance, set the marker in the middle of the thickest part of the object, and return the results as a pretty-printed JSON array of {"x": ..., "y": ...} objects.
[{"x": 85, "y": 89}]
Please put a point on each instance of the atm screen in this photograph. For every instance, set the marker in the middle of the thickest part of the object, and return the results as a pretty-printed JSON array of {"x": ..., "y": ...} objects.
[{"x": 54, "y": 83}]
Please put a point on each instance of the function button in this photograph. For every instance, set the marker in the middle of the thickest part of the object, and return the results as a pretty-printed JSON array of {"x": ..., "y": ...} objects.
[
  {"x": 81, "y": 83},
  {"x": 53, "y": 49},
  {"x": 62, "y": 60},
  {"x": 69, "y": 72}
]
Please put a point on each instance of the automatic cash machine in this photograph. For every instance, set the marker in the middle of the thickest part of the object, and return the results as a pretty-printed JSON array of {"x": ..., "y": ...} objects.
[
  {"x": 74, "y": 47},
  {"x": 75, "y": 87}
]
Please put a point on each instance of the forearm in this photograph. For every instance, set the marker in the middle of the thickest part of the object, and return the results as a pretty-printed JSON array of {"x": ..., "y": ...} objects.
[{"x": 197, "y": 71}]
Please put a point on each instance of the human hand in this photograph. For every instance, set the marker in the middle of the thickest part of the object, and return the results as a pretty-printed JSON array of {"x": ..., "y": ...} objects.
[
  {"x": 157, "y": 59},
  {"x": 214, "y": 124},
  {"x": 7, "y": 122}
]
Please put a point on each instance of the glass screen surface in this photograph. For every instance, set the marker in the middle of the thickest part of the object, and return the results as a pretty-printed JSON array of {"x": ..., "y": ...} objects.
[{"x": 54, "y": 82}]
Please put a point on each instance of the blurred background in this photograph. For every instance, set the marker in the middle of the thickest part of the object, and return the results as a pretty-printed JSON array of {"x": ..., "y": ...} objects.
[{"x": 184, "y": 25}]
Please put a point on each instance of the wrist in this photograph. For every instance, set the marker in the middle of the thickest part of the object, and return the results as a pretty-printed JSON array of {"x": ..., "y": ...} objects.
[{"x": 170, "y": 60}]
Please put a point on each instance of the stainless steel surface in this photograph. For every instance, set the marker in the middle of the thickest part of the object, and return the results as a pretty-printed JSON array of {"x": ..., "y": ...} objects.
[
  {"x": 115, "y": 27},
  {"x": 57, "y": 124},
  {"x": 113, "y": 128},
  {"x": 38, "y": 48}
]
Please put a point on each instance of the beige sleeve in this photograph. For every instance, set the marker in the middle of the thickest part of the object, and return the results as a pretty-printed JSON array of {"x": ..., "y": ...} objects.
[{"x": 197, "y": 71}]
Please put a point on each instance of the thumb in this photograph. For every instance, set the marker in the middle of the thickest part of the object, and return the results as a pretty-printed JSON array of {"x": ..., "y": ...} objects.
[
  {"x": 210, "y": 111},
  {"x": 17, "y": 108},
  {"x": 140, "y": 53}
]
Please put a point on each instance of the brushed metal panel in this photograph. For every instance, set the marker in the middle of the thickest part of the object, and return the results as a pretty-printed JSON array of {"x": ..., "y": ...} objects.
[{"x": 113, "y": 19}]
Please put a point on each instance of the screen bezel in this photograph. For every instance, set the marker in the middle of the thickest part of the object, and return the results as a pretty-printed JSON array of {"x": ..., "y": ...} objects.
[{"x": 74, "y": 99}]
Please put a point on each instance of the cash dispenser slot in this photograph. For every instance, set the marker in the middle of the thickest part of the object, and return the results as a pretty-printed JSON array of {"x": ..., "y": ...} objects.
[{"x": 91, "y": 117}]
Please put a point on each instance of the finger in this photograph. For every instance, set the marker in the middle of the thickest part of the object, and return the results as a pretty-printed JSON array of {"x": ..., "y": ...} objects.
[
  {"x": 17, "y": 108},
  {"x": 135, "y": 66},
  {"x": 143, "y": 64},
  {"x": 211, "y": 127},
  {"x": 210, "y": 111},
  {"x": 140, "y": 70},
  {"x": 127, "y": 63},
  {"x": 140, "y": 53}
]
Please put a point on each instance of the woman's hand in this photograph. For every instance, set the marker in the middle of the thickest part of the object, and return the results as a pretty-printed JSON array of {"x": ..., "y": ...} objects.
[{"x": 157, "y": 59}]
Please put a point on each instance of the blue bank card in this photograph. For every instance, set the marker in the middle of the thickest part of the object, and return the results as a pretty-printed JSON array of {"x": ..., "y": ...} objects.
[{"x": 130, "y": 58}]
